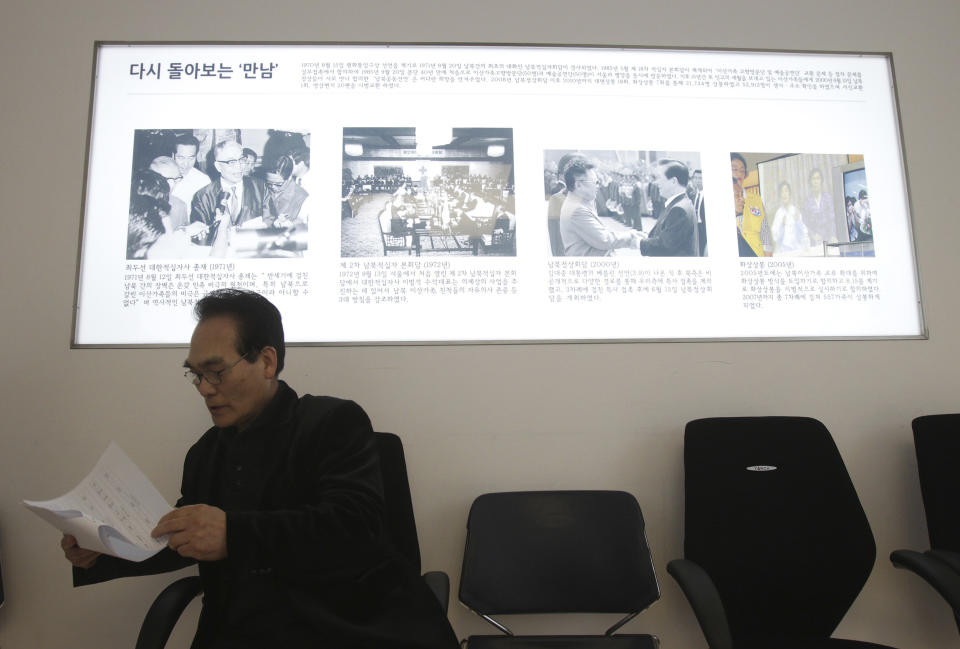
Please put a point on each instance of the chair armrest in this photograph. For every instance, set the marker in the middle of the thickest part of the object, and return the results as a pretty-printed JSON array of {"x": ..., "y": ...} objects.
[
  {"x": 934, "y": 571},
  {"x": 439, "y": 583},
  {"x": 705, "y": 601},
  {"x": 950, "y": 558},
  {"x": 165, "y": 611}
]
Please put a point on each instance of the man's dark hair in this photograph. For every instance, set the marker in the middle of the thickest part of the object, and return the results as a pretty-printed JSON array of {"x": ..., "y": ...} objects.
[
  {"x": 147, "y": 182},
  {"x": 258, "y": 321},
  {"x": 186, "y": 140},
  {"x": 575, "y": 170},
  {"x": 301, "y": 154},
  {"x": 676, "y": 169},
  {"x": 564, "y": 163},
  {"x": 144, "y": 226},
  {"x": 282, "y": 166},
  {"x": 249, "y": 153}
]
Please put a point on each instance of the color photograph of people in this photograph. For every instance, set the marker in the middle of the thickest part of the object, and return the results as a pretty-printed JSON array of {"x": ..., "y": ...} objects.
[
  {"x": 606, "y": 203},
  {"x": 427, "y": 190},
  {"x": 218, "y": 193},
  {"x": 801, "y": 205}
]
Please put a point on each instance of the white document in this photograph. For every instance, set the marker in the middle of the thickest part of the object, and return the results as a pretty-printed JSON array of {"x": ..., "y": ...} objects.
[{"x": 112, "y": 510}]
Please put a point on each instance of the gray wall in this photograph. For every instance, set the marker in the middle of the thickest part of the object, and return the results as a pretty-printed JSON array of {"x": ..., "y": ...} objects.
[{"x": 474, "y": 419}]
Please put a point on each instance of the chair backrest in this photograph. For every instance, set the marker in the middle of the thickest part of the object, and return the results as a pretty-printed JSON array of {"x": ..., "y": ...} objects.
[
  {"x": 937, "y": 440},
  {"x": 772, "y": 516},
  {"x": 557, "y": 552},
  {"x": 398, "y": 513}
]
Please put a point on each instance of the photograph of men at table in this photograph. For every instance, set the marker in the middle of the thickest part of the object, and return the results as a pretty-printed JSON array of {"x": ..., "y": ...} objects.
[
  {"x": 218, "y": 193},
  {"x": 623, "y": 203},
  {"x": 428, "y": 191}
]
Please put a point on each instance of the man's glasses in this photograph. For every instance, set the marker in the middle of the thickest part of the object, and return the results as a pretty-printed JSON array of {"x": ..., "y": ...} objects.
[
  {"x": 213, "y": 377},
  {"x": 233, "y": 163}
]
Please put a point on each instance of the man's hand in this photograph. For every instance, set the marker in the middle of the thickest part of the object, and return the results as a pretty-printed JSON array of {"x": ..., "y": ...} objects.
[
  {"x": 196, "y": 229},
  {"x": 76, "y": 555},
  {"x": 196, "y": 531}
]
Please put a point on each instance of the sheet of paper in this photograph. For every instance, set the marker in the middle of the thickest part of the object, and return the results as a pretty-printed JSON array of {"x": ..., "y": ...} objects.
[{"x": 112, "y": 510}]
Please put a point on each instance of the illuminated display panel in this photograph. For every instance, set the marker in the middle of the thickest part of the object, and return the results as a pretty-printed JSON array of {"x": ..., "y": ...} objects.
[{"x": 419, "y": 194}]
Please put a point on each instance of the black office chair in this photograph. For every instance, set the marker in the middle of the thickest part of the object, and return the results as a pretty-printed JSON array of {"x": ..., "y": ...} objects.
[
  {"x": 401, "y": 530},
  {"x": 937, "y": 442},
  {"x": 557, "y": 552},
  {"x": 776, "y": 544}
]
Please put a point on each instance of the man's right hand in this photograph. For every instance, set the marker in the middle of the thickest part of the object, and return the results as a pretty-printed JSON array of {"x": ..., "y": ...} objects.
[
  {"x": 196, "y": 229},
  {"x": 76, "y": 555}
]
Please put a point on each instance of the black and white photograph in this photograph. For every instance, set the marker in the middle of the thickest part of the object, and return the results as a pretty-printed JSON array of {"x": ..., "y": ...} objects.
[
  {"x": 801, "y": 205},
  {"x": 428, "y": 191},
  {"x": 230, "y": 193},
  {"x": 624, "y": 203}
]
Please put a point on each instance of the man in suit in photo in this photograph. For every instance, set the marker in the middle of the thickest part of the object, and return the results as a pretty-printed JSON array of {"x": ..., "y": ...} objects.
[
  {"x": 241, "y": 198},
  {"x": 675, "y": 234},
  {"x": 582, "y": 231},
  {"x": 191, "y": 179}
]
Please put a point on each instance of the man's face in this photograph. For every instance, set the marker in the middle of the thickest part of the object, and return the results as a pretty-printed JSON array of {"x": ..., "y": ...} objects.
[
  {"x": 737, "y": 169},
  {"x": 245, "y": 389},
  {"x": 170, "y": 171},
  {"x": 249, "y": 162},
  {"x": 185, "y": 156},
  {"x": 230, "y": 162},
  {"x": 667, "y": 186},
  {"x": 587, "y": 185},
  {"x": 698, "y": 180},
  {"x": 738, "y": 198},
  {"x": 275, "y": 182}
]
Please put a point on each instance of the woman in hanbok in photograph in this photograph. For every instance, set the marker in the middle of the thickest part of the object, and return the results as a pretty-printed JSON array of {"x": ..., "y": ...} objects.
[
  {"x": 818, "y": 211},
  {"x": 790, "y": 235}
]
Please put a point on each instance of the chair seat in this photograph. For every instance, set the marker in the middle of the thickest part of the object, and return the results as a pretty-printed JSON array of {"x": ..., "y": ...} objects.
[
  {"x": 805, "y": 643},
  {"x": 625, "y": 641}
]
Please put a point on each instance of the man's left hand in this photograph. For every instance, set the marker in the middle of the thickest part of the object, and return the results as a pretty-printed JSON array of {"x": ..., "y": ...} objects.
[{"x": 196, "y": 531}]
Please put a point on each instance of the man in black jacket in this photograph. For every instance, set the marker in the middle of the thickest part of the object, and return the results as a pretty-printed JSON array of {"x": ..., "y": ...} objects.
[
  {"x": 232, "y": 196},
  {"x": 675, "y": 234},
  {"x": 281, "y": 506}
]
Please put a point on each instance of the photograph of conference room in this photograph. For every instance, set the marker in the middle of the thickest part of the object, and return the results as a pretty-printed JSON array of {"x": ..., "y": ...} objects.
[
  {"x": 623, "y": 203},
  {"x": 427, "y": 190},
  {"x": 237, "y": 193},
  {"x": 801, "y": 205}
]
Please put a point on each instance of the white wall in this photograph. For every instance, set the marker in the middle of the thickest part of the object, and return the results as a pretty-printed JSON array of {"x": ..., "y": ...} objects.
[{"x": 474, "y": 418}]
